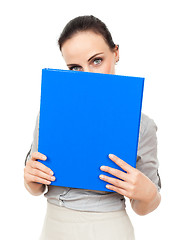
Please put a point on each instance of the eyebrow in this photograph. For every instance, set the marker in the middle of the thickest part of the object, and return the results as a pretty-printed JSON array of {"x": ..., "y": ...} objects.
[{"x": 73, "y": 64}]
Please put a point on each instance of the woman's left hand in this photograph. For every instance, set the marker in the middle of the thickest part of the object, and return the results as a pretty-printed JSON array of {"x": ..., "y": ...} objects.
[{"x": 135, "y": 185}]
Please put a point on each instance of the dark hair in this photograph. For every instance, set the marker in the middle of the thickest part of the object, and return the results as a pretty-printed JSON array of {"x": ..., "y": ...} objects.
[{"x": 85, "y": 23}]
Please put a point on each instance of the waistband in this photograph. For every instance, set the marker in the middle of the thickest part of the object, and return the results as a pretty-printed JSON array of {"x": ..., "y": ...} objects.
[{"x": 64, "y": 214}]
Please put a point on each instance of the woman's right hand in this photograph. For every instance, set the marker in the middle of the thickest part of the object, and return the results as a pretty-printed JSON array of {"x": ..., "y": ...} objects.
[{"x": 37, "y": 172}]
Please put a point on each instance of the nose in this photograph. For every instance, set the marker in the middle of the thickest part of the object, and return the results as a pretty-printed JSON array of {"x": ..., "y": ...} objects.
[{"x": 87, "y": 69}]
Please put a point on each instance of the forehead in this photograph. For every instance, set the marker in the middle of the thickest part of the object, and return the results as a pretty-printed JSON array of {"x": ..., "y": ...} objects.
[{"x": 83, "y": 45}]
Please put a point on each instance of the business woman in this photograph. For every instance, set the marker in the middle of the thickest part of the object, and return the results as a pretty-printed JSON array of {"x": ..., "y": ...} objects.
[{"x": 87, "y": 45}]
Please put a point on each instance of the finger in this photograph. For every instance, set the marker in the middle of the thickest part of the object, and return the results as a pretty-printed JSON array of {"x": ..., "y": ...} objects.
[
  {"x": 115, "y": 172},
  {"x": 32, "y": 178},
  {"x": 118, "y": 190},
  {"x": 114, "y": 181},
  {"x": 125, "y": 166},
  {"x": 41, "y": 174},
  {"x": 38, "y": 155},
  {"x": 41, "y": 166}
]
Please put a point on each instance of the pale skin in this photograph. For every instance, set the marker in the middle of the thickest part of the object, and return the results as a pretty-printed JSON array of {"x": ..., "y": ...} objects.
[{"x": 89, "y": 52}]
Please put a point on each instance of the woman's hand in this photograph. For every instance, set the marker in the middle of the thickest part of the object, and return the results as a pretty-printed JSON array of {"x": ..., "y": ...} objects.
[
  {"x": 36, "y": 172},
  {"x": 135, "y": 185}
]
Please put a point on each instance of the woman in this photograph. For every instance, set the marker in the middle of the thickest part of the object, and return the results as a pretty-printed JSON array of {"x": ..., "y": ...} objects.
[{"x": 87, "y": 45}]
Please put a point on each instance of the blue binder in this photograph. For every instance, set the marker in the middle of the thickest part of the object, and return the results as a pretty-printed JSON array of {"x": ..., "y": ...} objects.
[{"x": 83, "y": 117}]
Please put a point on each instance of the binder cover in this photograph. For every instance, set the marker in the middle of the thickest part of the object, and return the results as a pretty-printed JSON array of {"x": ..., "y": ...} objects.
[{"x": 85, "y": 116}]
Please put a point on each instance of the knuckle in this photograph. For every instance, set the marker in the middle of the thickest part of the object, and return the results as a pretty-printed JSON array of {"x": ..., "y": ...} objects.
[
  {"x": 116, "y": 182},
  {"x": 112, "y": 171},
  {"x": 45, "y": 169},
  {"x": 25, "y": 176},
  {"x": 34, "y": 164},
  {"x": 119, "y": 191},
  {"x": 137, "y": 173},
  {"x": 44, "y": 181},
  {"x": 132, "y": 188},
  {"x": 42, "y": 167},
  {"x": 107, "y": 169},
  {"x": 133, "y": 181},
  {"x": 49, "y": 177},
  {"x": 130, "y": 195},
  {"x": 119, "y": 161},
  {"x": 25, "y": 172},
  {"x": 34, "y": 154},
  {"x": 28, "y": 177},
  {"x": 122, "y": 164},
  {"x": 28, "y": 162},
  {"x": 35, "y": 172},
  {"x": 35, "y": 179}
]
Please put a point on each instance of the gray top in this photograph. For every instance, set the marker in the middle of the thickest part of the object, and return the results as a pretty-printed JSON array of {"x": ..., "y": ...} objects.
[{"x": 102, "y": 201}]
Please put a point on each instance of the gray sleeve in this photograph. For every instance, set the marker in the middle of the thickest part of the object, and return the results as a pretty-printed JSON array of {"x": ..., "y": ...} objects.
[
  {"x": 34, "y": 144},
  {"x": 147, "y": 161}
]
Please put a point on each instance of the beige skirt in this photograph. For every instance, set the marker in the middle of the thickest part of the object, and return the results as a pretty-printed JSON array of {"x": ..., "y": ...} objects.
[{"x": 62, "y": 223}]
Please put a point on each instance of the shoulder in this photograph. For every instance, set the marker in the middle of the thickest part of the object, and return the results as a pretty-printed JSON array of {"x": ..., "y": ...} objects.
[
  {"x": 147, "y": 129},
  {"x": 146, "y": 124}
]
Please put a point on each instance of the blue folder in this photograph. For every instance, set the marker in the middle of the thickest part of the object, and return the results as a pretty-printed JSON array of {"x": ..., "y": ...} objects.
[{"x": 84, "y": 117}]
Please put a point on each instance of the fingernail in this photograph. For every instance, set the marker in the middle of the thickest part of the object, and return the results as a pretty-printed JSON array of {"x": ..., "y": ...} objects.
[
  {"x": 110, "y": 155},
  {"x": 44, "y": 157},
  {"x": 102, "y": 167},
  {"x": 51, "y": 172}
]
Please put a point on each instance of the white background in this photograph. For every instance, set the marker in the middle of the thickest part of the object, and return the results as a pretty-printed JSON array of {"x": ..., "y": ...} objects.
[{"x": 148, "y": 35}]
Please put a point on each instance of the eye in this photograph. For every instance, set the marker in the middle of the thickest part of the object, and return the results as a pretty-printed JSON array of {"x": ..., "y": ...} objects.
[
  {"x": 75, "y": 68},
  {"x": 97, "y": 61}
]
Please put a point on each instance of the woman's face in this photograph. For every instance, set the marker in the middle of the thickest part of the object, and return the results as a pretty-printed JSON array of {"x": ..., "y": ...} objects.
[{"x": 87, "y": 51}]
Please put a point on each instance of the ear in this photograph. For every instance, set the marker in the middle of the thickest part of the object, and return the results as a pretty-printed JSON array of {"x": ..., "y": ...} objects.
[{"x": 116, "y": 52}]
